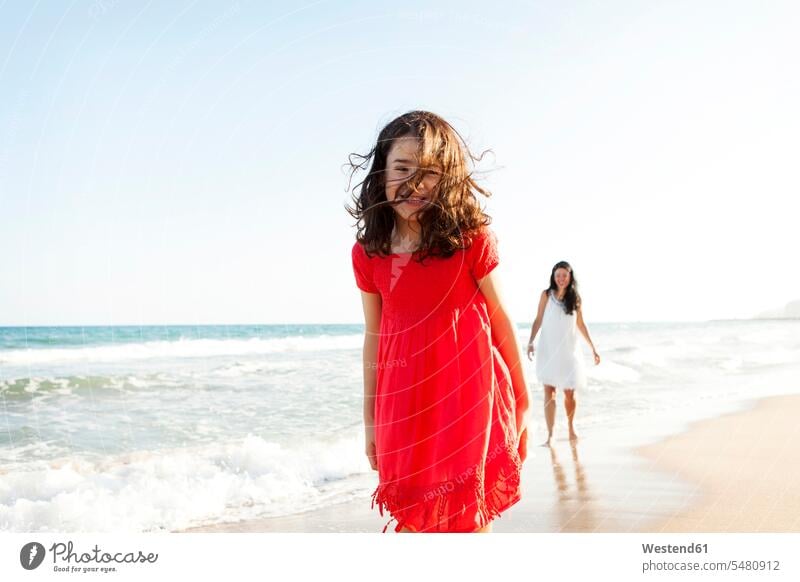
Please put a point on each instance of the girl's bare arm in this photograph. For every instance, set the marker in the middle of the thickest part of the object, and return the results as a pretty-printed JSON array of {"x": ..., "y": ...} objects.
[
  {"x": 505, "y": 336},
  {"x": 372, "y": 304}
]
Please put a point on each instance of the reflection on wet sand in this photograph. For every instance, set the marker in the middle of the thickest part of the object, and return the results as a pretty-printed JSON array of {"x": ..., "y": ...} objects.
[{"x": 574, "y": 507}]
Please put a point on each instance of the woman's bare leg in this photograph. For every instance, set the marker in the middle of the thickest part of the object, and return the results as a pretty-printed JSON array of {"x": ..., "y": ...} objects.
[
  {"x": 549, "y": 412},
  {"x": 570, "y": 405}
]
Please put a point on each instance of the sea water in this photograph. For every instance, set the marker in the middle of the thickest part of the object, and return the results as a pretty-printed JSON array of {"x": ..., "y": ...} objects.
[{"x": 160, "y": 428}]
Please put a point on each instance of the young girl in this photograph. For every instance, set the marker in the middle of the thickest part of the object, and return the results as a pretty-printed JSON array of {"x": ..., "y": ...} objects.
[
  {"x": 558, "y": 361},
  {"x": 445, "y": 396}
]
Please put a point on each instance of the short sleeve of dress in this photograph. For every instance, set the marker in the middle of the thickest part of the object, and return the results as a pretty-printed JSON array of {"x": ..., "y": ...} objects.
[
  {"x": 362, "y": 269},
  {"x": 483, "y": 254}
]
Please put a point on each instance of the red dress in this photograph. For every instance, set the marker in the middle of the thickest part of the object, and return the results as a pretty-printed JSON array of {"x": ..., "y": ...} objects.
[{"x": 445, "y": 424}]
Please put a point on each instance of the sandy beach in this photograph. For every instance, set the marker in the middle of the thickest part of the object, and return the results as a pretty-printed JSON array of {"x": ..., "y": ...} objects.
[
  {"x": 735, "y": 473},
  {"x": 745, "y": 467}
]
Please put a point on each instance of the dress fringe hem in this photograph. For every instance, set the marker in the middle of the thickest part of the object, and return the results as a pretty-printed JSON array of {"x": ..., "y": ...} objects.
[{"x": 446, "y": 506}]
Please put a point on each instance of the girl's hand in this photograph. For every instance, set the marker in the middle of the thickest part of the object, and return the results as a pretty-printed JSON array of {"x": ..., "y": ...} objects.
[
  {"x": 522, "y": 446},
  {"x": 369, "y": 448},
  {"x": 530, "y": 351},
  {"x": 373, "y": 459},
  {"x": 521, "y": 417},
  {"x": 596, "y": 358}
]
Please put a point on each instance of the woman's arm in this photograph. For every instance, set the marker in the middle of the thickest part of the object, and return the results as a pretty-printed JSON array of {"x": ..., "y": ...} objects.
[
  {"x": 505, "y": 336},
  {"x": 537, "y": 323},
  {"x": 585, "y": 333},
  {"x": 372, "y": 304}
]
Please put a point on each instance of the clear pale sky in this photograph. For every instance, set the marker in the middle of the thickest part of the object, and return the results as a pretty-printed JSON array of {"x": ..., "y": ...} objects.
[{"x": 181, "y": 162}]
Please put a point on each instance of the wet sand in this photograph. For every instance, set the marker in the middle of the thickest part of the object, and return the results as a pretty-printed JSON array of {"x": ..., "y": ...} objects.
[{"x": 745, "y": 467}]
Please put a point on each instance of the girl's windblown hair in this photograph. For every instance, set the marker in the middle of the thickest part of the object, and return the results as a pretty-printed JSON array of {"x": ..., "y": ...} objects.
[
  {"x": 454, "y": 214},
  {"x": 572, "y": 299}
]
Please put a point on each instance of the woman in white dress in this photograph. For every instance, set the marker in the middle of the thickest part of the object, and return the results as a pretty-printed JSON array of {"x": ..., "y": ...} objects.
[{"x": 558, "y": 358}]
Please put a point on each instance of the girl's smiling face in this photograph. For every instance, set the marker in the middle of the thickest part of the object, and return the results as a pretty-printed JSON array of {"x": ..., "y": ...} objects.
[
  {"x": 562, "y": 277},
  {"x": 403, "y": 182}
]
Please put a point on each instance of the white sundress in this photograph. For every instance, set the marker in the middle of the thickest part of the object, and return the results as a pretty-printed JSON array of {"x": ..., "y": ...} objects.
[{"x": 559, "y": 362}]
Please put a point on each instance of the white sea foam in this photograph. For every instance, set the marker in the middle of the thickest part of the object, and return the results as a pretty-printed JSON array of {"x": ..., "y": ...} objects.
[
  {"x": 185, "y": 348},
  {"x": 169, "y": 490}
]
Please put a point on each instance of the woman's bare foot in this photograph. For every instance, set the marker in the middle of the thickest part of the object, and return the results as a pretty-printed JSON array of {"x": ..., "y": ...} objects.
[
  {"x": 573, "y": 436},
  {"x": 547, "y": 442}
]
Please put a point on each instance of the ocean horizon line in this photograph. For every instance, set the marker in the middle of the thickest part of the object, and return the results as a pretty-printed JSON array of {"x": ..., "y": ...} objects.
[{"x": 350, "y": 324}]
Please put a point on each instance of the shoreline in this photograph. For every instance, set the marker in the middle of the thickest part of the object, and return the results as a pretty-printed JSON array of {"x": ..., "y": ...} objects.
[
  {"x": 688, "y": 481},
  {"x": 744, "y": 466}
]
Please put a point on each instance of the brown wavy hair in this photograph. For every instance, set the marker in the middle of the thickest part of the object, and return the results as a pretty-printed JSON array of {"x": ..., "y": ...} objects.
[{"x": 454, "y": 215}]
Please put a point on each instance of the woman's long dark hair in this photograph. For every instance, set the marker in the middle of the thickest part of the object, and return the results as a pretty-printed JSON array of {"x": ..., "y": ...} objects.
[
  {"x": 572, "y": 299},
  {"x": 454, "y": 215}
]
